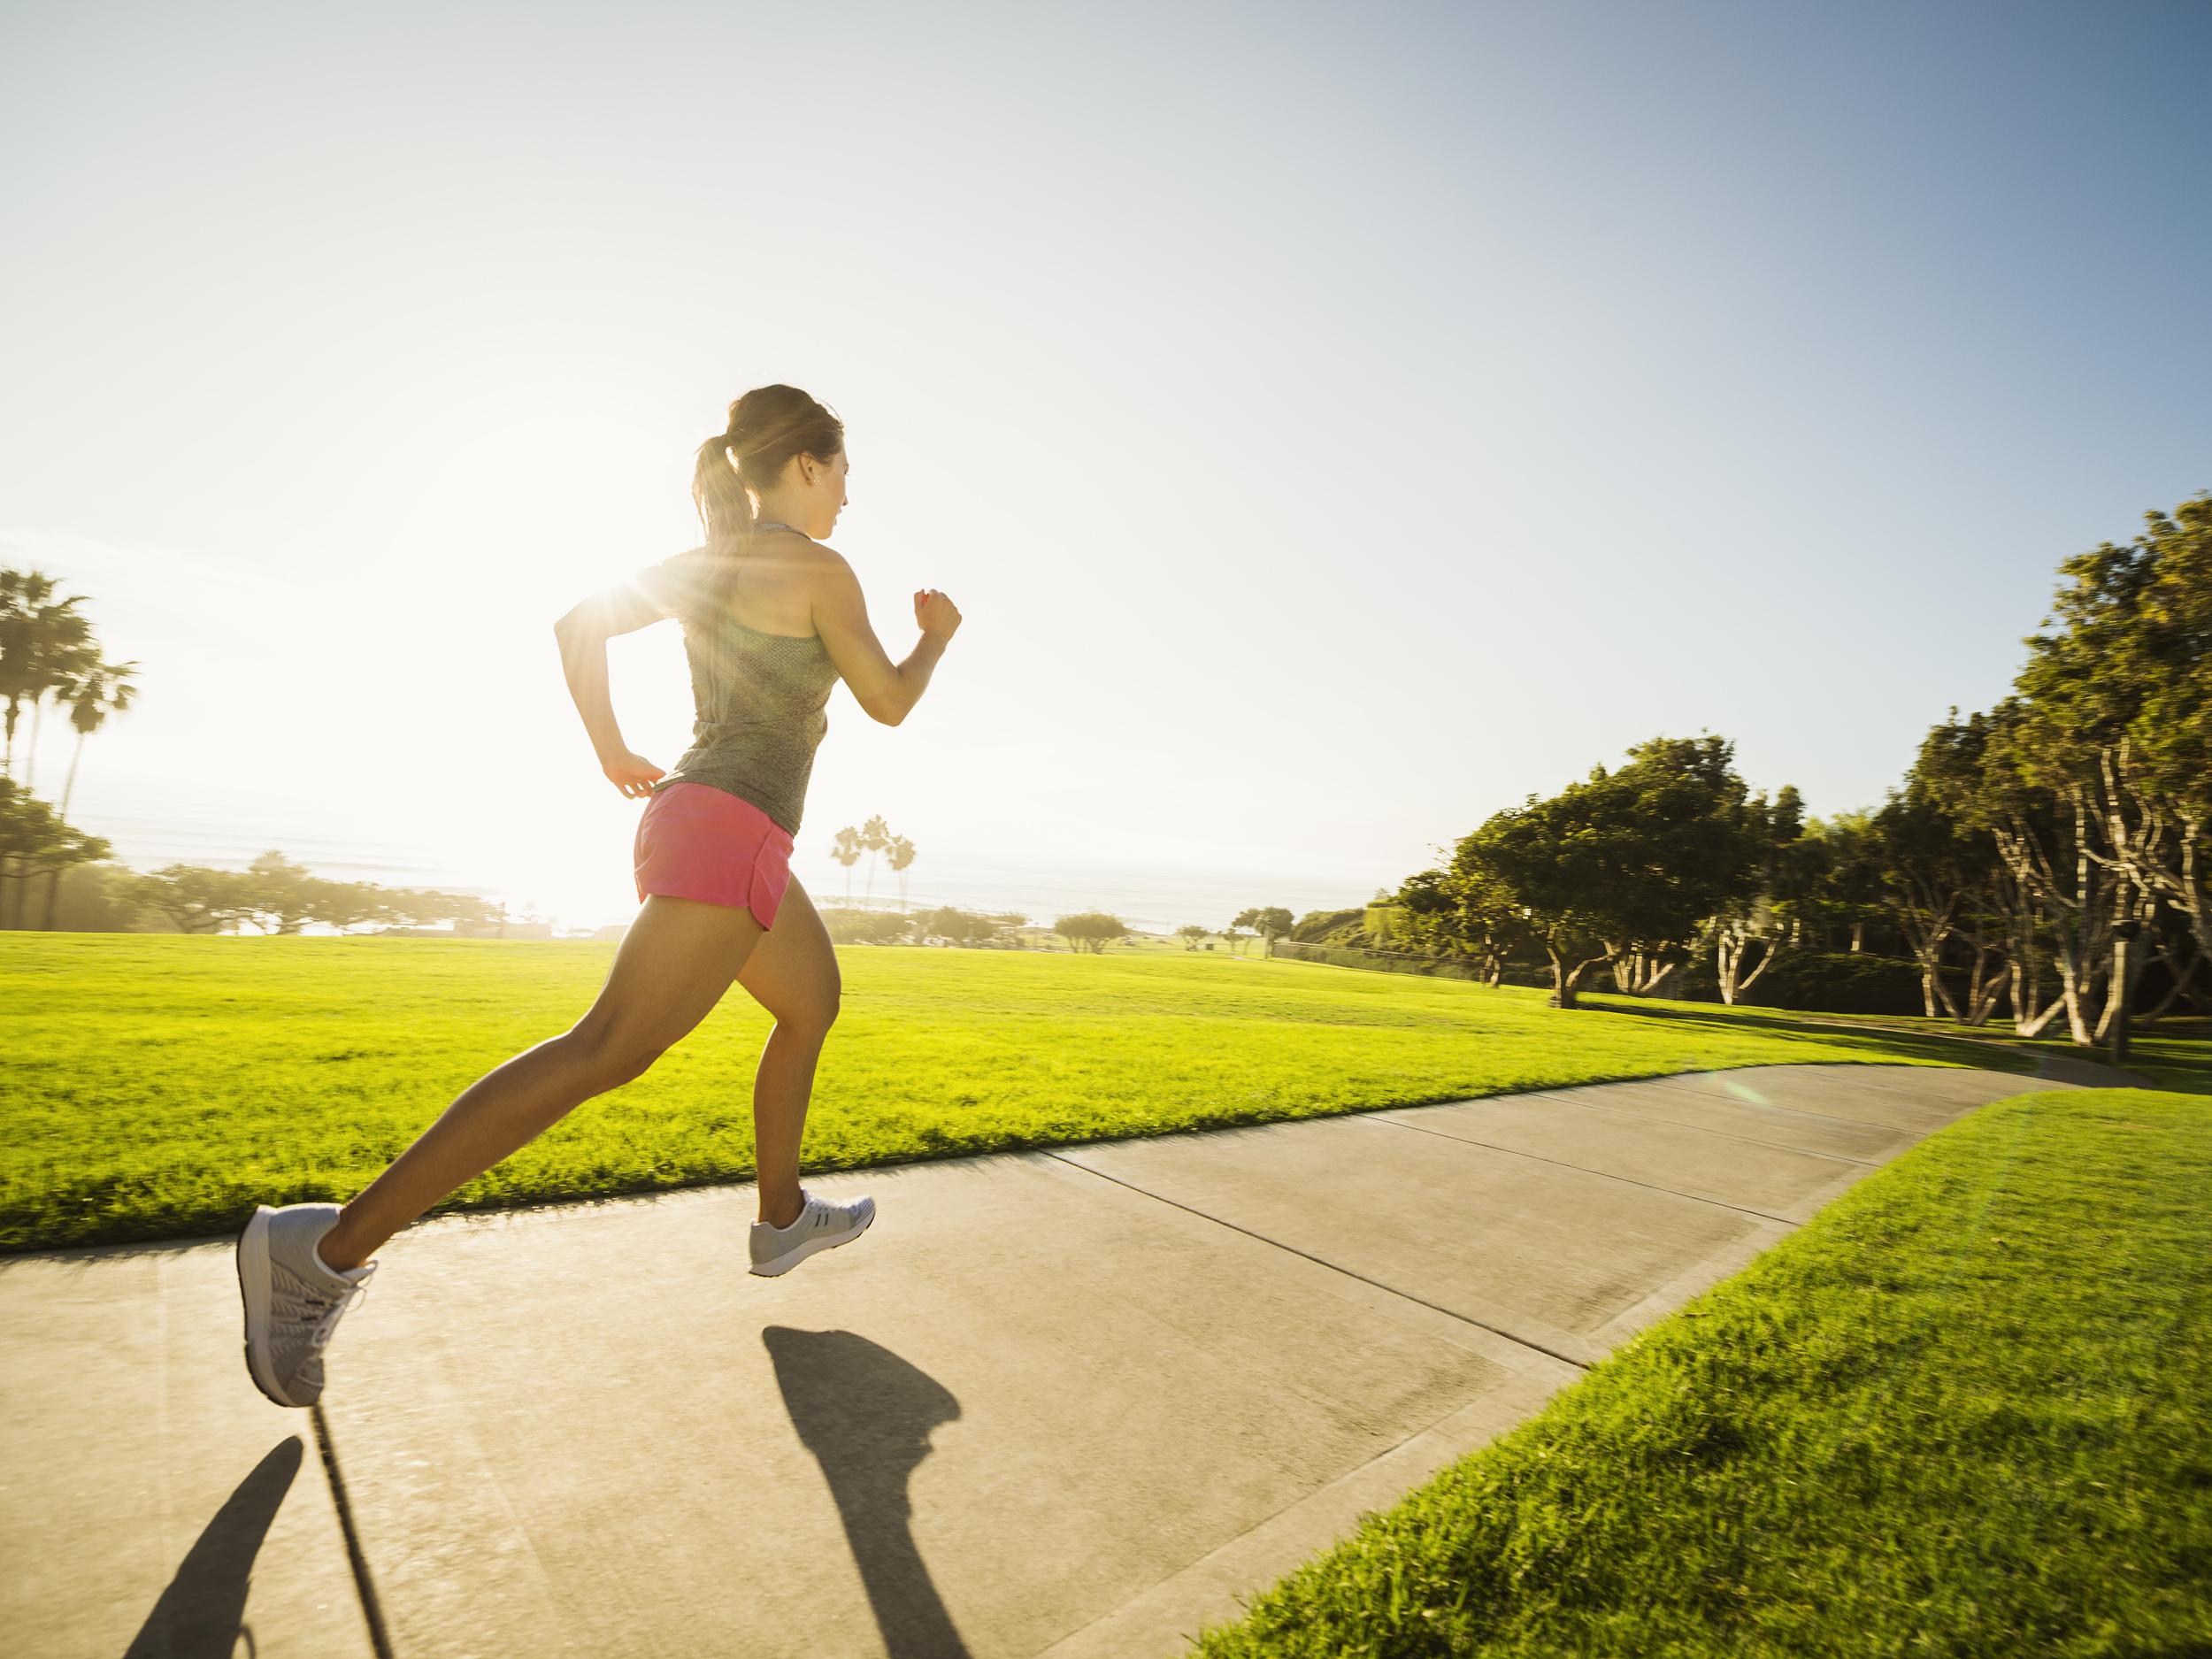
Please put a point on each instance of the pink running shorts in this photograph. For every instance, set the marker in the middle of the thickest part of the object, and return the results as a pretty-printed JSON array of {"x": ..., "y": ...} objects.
[{"x": 696, "y": 842}]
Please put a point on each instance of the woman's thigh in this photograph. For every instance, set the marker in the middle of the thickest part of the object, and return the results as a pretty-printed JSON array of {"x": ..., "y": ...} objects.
[
  {"x": 672, "y": 966},
  {"x": 793, "y": 971}
]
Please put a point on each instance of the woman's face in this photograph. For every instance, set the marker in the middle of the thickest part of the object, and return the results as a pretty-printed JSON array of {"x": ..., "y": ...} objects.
[{"x": 829, "y": 492}]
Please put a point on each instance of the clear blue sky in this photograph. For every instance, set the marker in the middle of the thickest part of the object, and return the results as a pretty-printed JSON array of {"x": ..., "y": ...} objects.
[{"x": 1335, "y": 422}]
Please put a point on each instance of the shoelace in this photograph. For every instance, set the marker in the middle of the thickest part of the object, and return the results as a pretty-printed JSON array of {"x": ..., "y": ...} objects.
[
  {"x": 816, "y": 1215},
  {"x": 339, "y": 1300}
]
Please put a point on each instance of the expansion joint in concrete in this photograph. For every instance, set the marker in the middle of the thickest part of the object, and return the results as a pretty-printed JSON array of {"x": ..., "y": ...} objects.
[
  {"x": 1683, "y": 1123},
  {"x": 1335, "y": 1267},
  {"x": 1606, "y": 1175}
]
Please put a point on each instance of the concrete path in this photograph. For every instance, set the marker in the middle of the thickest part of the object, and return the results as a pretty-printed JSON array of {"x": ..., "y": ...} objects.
[{"x": 1072, "y": 1403}]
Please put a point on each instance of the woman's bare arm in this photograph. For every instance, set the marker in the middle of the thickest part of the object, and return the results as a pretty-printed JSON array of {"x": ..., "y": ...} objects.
[
  {"x": 583, "y": 635},
  {"x": 887, "y": 690}
]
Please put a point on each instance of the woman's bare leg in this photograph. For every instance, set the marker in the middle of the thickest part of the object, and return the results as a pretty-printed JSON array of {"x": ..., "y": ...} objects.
[
  {"x": 672, "y": 966},
  {"x": 793, "y": 975}
]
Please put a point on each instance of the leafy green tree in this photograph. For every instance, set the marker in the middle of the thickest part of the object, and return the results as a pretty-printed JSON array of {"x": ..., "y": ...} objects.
[
  {"x": 1270, "y": 922},
  {"x": 1090, "y": 930},
  {"x": 2114, "y": 720},
  {"x": 94, "y": 690},
  {"x": 35, "y": 842},
  {"x": 1632, "y": 860},
  {"x": 1847, "y": 896},
  {"x": 196, "y": 899},
  {"x": 1787, "y": 873},
  {"x": 1464, "y": 911}
]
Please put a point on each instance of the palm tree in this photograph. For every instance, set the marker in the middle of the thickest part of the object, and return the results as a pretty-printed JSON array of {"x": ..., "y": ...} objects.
[
  {"x": 100, "y": 690},
  {"x": 847, "y": 854},
  {"x": 901, "y": 855},
  {"x": 40, "y": 640},
  {"x": 875, "y": 835}
]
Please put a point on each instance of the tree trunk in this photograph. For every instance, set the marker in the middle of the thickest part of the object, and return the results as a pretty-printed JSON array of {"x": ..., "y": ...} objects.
[
  {"x": 2034, "y": 1027},
  {"x": 68, "y": 788},
  {"x": 1858, "y": 937},
  {"x": 1774, "y": 950},
  {"x": 1727, "y": 957},
  {"x": 1565, "y": 979},
  {"x": 2180, "y": 984},
  {"x": 2025, "y": 981}
]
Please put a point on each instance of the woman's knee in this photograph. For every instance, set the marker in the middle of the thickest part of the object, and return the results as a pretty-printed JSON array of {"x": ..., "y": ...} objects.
[
  {"x": 610, "y": 1057},
  {"x": 812, "y": 1016}
]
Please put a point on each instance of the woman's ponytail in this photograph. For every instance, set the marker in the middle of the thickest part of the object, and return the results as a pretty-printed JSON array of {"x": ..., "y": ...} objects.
[
  {"x": 766, "y": 428},
  {"x": 726, "y": 509}
]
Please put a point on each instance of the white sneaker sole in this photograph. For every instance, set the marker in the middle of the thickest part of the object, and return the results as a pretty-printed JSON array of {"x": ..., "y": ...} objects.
[
  {"x": 253, "y": 1290},
  {"x": 791, "y": 1258}
]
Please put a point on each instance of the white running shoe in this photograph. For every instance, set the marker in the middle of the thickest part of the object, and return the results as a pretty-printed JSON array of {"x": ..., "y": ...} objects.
[
  {"x": 293, "y": 1301},
  {"x": 821, "y": 1226}
]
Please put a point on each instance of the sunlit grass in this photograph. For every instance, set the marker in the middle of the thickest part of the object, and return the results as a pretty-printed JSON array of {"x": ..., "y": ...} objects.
[
  {"x": 1961, "y": 1411},
  {"x": 160, "y": 1086}
]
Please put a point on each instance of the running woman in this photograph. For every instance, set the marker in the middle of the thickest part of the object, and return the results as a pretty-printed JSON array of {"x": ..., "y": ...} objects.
[{"x": 773, "y": 618}]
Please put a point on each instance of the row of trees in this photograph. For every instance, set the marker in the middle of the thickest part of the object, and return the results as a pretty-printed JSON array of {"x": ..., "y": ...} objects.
[
  {"x": 275, "y": 895},
  {"x": 2033, "y": 857},
  {"x": 949, "y": 924}
]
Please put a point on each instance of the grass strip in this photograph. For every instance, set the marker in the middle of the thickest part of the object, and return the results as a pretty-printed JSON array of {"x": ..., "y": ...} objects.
[
  {"x": 160, "y": 1086},
  {"x": 1961, "y": 1411}
]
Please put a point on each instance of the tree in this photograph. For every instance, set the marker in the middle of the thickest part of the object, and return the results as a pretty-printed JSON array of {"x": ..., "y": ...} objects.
[
  {"x": 1190, "y": 934},
  {"x": 42, "y": 644},
  {"x": 281, "y": 896},
  {"x": 1629, "y": 861},
  {"x": 35, "y": 842},
  {"x": 2114, "y": 714},
  {"x": 1929, "y": 850},
  {"x": 1847, "y": 893},
  {"x": 847, "y": 852},
  {"x": 1090, "y": 930},
  {"x": 1787, "y": 872},
  {"x": 900, "y": 855},
  {"x": 97, "y": 690},
  {"x": 1464, "y": 911},
  {"x": 197, "y": 900},
  {"x": 1270, "y": 922},
  {"x": 875, "y": 835}
]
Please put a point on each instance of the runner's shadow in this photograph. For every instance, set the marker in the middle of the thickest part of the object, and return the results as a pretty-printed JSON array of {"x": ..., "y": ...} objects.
[
  {"x": 866, "y": 1416},
  {"x": 203, "y": 1612}
]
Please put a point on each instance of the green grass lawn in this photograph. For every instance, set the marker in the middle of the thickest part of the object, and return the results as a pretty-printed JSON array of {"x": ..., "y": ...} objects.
[
  {"x": 1961, "y": 1412},
  {"x": 159, "y": 1086}
]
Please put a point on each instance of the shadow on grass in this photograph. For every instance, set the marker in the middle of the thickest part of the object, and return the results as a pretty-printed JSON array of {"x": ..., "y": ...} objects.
[{"x": 1990, "y": 1053}]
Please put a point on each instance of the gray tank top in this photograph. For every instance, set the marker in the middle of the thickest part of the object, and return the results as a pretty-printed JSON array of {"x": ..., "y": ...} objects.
[{"x": 761, "y": 702}]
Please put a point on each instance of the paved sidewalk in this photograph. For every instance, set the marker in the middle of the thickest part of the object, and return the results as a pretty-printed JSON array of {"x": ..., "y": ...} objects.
[{"x": 1071, "y": 1403}]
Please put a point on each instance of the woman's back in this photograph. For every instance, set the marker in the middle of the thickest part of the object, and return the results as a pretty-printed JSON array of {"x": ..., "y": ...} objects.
[{"x": 760, "y": 676}]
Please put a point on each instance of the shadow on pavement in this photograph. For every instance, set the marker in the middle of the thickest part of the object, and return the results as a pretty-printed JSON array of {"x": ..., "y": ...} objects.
[
  {"x": 866, "y": 1416},
  {"x": 203, "y": 1612}
]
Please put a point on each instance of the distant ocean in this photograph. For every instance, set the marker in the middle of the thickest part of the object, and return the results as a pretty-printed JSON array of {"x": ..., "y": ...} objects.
[{"x": 1152, "y": 900}]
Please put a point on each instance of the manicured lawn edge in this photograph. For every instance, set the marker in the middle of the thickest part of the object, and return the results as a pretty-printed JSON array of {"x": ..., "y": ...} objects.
[
  {"x": 1960, "y": 1411},
  {"x": 158, "y": 1089}
]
